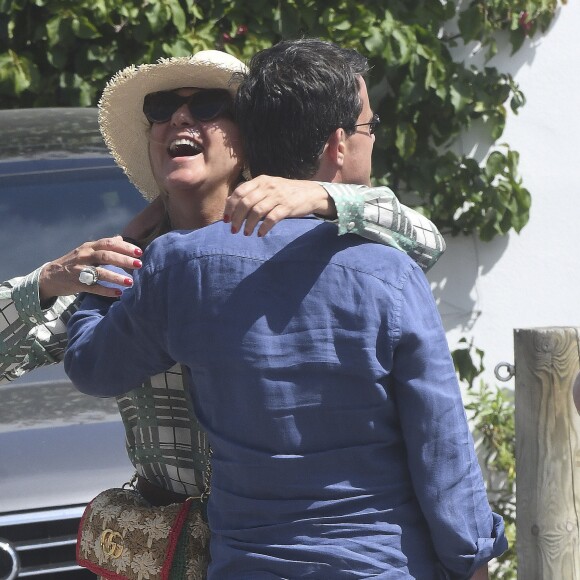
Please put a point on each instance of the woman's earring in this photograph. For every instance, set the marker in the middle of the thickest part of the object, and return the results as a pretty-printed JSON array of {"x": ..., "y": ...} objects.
[{"x": 246, "y": 173}]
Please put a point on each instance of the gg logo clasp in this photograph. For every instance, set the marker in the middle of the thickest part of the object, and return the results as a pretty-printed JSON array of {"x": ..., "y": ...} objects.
[{"x": 112, "y": 543}]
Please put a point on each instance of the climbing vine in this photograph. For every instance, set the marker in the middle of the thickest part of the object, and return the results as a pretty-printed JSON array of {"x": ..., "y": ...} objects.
[{"x": 61, "y": 53}]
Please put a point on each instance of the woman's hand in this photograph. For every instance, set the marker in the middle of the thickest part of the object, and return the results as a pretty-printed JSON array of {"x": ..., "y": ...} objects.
[
  {"x": 61, "y": 276},
  {"x": 272, "y": 199}
]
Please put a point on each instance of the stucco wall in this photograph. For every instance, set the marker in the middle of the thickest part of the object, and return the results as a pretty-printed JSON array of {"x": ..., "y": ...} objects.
[{"x": 486, "y": 289}]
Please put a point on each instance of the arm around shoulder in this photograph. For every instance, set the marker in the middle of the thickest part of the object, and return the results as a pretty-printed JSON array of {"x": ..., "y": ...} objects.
[{"x": 375, "y": 213}]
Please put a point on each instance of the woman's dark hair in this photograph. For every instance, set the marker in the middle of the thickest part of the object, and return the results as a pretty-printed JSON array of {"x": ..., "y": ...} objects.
[{"x": 294, "y": 96}]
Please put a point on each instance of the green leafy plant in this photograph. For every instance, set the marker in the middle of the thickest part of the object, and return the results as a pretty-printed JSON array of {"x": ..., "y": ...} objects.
[
  {"x": 62, "y": 52},
  {"x": 491, "y": 410}
]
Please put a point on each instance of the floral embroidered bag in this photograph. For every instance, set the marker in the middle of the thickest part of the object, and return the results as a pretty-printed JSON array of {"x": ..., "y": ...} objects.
[{"x": 121, "y": 537}]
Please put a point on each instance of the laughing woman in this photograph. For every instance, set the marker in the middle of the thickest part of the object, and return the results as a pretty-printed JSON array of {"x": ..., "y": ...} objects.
[{"x": 169, "y": 126}]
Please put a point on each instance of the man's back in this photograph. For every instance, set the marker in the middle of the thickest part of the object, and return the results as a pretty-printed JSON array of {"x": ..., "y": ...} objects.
[
  {"x": 322, "y": 376},
  {"x": 310, "y": 356}
]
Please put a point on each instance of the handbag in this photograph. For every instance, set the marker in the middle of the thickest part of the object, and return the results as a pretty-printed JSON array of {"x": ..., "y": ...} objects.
[{"x": 122, "y": 537}]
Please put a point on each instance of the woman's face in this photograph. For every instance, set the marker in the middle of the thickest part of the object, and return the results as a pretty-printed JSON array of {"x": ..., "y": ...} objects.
[{"x": 195, "y": 159}]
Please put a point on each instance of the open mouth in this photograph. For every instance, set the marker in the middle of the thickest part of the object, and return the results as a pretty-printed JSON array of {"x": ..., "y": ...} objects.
[{"x": 183, "y": 148}]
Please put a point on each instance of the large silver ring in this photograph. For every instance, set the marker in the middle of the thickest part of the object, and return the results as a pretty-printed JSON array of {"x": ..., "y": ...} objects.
[{"x": 89, "y": 275}]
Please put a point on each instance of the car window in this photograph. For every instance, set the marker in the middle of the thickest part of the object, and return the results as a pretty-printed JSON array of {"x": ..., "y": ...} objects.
[{"x": 49, "y": 210}]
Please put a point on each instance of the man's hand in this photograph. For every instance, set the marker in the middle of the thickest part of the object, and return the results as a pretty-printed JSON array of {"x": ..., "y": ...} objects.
[
  {"x": 481, "y": 574},
  {"x": 272, "y": 199}
]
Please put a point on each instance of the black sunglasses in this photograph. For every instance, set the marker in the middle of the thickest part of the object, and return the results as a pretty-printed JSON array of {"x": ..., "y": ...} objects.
[
  {"x": 373, "y": 124},
  {"x": 205, "y": 105}
]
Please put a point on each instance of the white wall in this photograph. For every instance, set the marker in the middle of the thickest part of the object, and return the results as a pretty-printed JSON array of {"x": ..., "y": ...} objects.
[{"x": 486, "y": 289}]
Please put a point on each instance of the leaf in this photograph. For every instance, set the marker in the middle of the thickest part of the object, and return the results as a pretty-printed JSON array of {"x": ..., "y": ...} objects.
[
  {"x": 342, "y": 25},
  {"x": 470, "y": 23},
  {"x": 403, "y": 44},
  {"x": 406, "y": 140},
  {"x": 495, "y": 164},
  {"x": 57, "y": 57},
  {"x": 84, "y": 28},
  {"x": 17, "y": 74},
  {"x": 195, "y": 10},
  {"x": 177, "y": 16},
  {"x": 157, "y": 17},
  {"x": 465, "y": 367},
  {"x": 52, "y": 30},
  {"x": 374, "y": 41},
  {"x": 517, "y": 38},
  {"x": 497, "y": 121}
]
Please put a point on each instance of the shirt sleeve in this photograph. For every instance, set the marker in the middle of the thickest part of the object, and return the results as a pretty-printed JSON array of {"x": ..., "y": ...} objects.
[
  {"x": 30, "y": 336},
  {"x": 375, "y": 213},
  {"x": 109, "y": 355},
  {"x": 444, "y": 469}
]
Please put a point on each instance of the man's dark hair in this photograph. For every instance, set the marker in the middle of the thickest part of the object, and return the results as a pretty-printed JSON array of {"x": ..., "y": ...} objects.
[{"x": 294, "y": 96}]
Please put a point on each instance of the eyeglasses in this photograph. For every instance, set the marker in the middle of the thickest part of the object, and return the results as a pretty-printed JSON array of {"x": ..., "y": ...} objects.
[
  {"x": 373, "y": 124},
  {"x": 205, "y": 105}
]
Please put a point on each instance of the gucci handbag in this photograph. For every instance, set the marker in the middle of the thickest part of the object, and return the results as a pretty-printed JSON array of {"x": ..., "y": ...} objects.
[{"x": 122, "y": 537}]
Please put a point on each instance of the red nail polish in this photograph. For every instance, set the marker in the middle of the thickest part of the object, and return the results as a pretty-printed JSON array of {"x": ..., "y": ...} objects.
[
  {"x": 128, "y": 282},
  {"x": 138, "y": 252},
  {"x": 226, "y": 219},
  {"x": 137, "y": 263},
  {"x": 119, "y": 292},
  {"x": 234, "y": 230}
]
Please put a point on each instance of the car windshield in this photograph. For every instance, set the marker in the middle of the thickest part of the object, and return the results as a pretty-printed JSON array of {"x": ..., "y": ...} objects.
[{"x": 49, "y": 209}]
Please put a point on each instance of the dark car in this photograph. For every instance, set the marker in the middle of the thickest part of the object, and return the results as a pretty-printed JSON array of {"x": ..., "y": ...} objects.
[{"x": 58, "y": 448}]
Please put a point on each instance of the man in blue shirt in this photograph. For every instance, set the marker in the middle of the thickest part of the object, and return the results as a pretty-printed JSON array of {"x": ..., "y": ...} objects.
[{"x": 321, "y": 369}]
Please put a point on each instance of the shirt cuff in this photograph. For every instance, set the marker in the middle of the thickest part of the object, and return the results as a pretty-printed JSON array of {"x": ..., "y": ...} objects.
[
  {"x": 27, "y": 301},
  {"x": 496, "y": 545},
  {"x": 349, "y": 201},
  {"x": 487, "y": 548}
]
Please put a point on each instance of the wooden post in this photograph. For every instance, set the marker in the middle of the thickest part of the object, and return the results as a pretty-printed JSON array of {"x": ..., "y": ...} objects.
[{"x": 547, "y": 454}]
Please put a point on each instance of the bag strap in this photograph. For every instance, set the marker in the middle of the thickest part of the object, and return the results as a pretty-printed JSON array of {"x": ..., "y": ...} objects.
[{"x": 174, "y": 535}]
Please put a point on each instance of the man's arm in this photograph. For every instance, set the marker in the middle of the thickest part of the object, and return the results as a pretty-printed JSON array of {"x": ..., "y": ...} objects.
[
  {"x": 441, "y": 456},
  {"x": 109, "y": 355}
]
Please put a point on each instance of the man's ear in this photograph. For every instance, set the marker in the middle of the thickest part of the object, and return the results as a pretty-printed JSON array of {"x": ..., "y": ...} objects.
[
  {"x": 335, "y": 148},
  {"x": 332, "y": 157}
]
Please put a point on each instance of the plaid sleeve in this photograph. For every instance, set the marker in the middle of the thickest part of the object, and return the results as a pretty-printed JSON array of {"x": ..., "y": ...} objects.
[
  {"x": 375, "y": 213},
  {"x": 30, "y": 337}
]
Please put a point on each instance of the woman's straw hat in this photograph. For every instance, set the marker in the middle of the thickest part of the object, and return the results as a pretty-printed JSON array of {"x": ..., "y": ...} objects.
[{"x": 121, "y": 119}]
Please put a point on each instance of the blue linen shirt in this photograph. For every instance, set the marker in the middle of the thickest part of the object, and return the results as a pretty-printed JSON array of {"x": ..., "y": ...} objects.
[{"x": 324, "y": 381}]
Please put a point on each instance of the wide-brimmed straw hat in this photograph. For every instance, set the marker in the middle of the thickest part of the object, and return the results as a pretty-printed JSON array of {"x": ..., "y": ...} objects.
[{"x": 121, "y": 119}]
